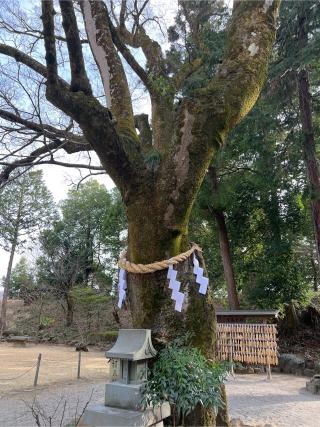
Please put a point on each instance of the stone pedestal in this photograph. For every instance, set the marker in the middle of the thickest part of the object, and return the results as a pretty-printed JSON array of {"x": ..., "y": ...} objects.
[
  {"x": 100, "y": 415},
  {"x": 314, "y": 385}
]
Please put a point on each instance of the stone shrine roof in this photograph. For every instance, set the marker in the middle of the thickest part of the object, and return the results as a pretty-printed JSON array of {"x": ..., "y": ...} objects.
[{"x": 132, "y": 344}]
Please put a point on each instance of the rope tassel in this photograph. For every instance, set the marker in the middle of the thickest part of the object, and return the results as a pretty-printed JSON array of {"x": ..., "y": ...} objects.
[
  {"x": 174, "y": 284},
  {"x": 200, "y": 279},
  {"x": 122, "y": 286}
]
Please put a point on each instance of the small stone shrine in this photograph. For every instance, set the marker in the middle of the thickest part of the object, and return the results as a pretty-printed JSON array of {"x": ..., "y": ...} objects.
[{"x": 129, "y": 357}]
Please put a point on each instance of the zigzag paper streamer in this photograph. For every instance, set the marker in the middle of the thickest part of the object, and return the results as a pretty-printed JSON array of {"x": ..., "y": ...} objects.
[
  {"x": 200, "y": 279},
  {"x": 174, "y": 284},
  {"x": 122, "y": 286}
]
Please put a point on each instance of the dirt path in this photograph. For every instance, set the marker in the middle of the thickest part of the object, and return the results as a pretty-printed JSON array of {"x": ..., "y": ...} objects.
[
  {"x": 282, "y": 402},
  {"x": 58, "y": 365}
]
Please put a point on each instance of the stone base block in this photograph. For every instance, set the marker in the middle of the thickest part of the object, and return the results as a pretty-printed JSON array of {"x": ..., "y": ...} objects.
[
  {"x": 314, "y": 385},
  {"x": 124, "y": 396},
  {"x": 101, "y": 416}
]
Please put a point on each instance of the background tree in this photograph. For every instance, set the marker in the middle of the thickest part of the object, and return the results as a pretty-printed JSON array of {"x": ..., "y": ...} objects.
[
  {"x": 264, "y": 193},
  {"x": 297, "y": 69},
  {"x": 22, "y": 281},
  {"x": 26, "y": 206},
  {"x": 78, "y": 251}
]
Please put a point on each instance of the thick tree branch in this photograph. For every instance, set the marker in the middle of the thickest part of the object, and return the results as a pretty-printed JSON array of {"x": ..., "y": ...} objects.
[
  {"x": 79, "y": 78},
  {"x": 114, "y": 79},
  {"x": 205, "y": 121},
  {"x": 55, "y": 93},
  {"x": 115, "y": 143},
  {"x": 185, "y": 71},
  {"x": 151, "y": 48},
  {"x": 123, "y": 49},
  {"x": 49, "y": 40},
  {"x": 145, "y": 133},
  {"x": 242, "y": 73}
]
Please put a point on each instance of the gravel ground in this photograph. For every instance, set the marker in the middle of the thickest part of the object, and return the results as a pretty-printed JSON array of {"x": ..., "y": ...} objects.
[
  {"x": 281, "y": 402},
  {"x": 62, "y": 403}
]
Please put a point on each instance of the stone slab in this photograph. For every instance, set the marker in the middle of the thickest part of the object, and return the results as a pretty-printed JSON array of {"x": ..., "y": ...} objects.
[{"x": 101, "y": 416}]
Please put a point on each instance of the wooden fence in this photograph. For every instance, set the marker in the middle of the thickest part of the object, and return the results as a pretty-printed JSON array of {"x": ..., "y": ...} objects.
[{"x": 250, "y": 343}]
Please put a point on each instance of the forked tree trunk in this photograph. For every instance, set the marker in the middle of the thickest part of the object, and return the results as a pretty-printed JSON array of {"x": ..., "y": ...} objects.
[{"x": 159, "y": 178}]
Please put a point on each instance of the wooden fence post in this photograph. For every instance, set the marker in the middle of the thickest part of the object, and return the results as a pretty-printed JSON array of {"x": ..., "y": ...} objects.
[
  {"x": 268, "y": 370},
  {"x": 79, "y": 364},
  {"x": 35, "y": 382}
]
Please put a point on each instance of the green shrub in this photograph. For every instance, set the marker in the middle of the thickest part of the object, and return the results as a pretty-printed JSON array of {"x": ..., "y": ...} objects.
[
  {"x": 183, "y": 377},
  {"x": 46, "y": 321}
]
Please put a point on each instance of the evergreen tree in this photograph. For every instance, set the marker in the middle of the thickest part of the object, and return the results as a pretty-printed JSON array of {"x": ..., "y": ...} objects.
[
  {"x": 26, "y": 206},
  {"x": 22, "y": 280},
  {"x": 78, "y": 251}
]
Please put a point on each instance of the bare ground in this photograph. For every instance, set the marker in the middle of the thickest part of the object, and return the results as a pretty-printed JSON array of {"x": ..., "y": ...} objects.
[
  {"x": 281, "y": 402},
  {"x": 58, "y": 365}
]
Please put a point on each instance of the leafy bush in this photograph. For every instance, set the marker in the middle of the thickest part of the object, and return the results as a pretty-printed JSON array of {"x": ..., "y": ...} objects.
[
  {"x": 183, "y": 377},
  {"x": 46, "y": 321}
]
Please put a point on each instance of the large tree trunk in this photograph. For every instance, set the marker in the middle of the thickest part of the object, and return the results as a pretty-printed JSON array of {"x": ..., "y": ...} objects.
[
  {"x": 224, "y": 246},
  {"x": 3, "y": 318},
  {"x": 309, "y": 146},
  {"x": 149, "y": 296}
]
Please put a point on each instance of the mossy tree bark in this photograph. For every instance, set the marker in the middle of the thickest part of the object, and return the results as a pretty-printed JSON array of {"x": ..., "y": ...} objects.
[{"x": 160, "y": 169}]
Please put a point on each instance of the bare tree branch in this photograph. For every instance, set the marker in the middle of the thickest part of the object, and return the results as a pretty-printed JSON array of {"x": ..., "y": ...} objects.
[
  {"x": 48, "y": 131},
  {"x": 30, "y": 62}
]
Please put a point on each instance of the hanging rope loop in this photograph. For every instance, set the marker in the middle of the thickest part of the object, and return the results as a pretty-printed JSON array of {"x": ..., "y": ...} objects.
[{"x": 131, "y": 267}]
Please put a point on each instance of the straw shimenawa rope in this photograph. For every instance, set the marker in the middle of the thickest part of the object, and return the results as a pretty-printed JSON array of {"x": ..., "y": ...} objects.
[{"x": 131, "y": 267}]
